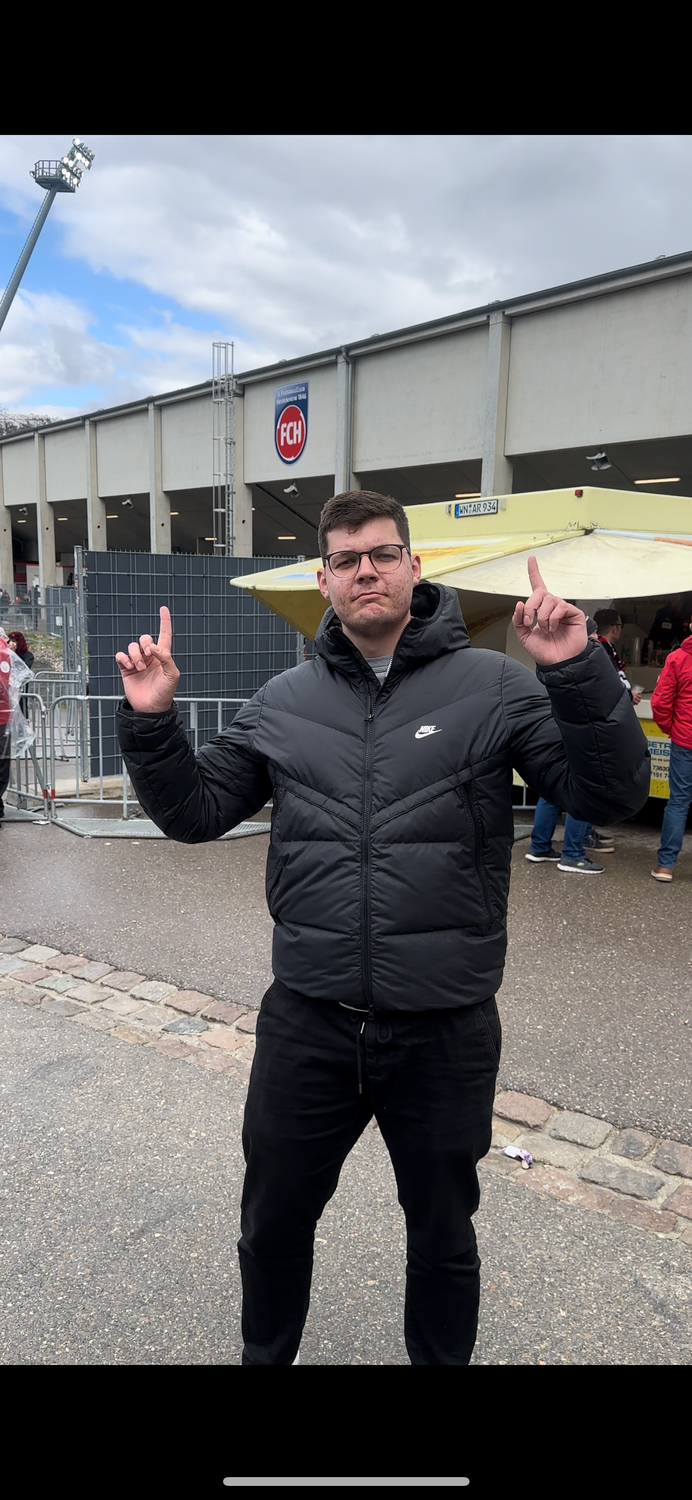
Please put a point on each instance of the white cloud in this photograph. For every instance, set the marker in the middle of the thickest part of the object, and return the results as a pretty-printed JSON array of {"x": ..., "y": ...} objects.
[
  {"x": 294, "y": 243},
  {"x": 302, "y": 241},
  {"x": 169, "y": 354},
  {"x": 46, "y": 342}
]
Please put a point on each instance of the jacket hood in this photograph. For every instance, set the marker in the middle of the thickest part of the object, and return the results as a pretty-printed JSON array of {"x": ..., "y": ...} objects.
[
  {"x": 687, "y": 645},
  {"x": 437, "y": 626}
]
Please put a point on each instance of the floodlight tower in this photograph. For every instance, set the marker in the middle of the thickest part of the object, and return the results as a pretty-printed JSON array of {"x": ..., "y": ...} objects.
[{"x": 62, "y": 176}]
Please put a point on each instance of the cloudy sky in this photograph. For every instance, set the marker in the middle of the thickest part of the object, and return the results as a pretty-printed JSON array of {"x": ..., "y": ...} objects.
[{"x": 288, "y": 244}]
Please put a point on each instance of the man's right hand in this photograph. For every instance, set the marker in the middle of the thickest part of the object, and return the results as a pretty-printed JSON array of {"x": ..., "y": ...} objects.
[{"x": 149, "y": 673}]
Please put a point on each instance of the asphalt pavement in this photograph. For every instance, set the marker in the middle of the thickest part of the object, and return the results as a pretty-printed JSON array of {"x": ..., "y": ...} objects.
[
  {"x": 122, "y": 1174},
  {"x": 123, "y": 1167},
  {"x": 596, "y": 1003}
]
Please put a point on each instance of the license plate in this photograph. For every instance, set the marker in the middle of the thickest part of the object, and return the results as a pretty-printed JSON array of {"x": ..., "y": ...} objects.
[{"x": 476, "y": 508}]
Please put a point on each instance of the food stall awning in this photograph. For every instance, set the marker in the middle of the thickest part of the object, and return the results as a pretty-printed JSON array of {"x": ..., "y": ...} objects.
[
  {"x": 292, "y": 592},
  {"x": 592, "y": 544},
  {"x": 600, "y": 565}
]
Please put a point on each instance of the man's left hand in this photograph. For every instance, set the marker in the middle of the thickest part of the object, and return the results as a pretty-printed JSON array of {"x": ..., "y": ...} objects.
[{"x": 547, "y": 627}]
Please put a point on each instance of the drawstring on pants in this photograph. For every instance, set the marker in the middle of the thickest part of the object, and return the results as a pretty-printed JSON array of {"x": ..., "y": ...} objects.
[
  {"x": 360, "y": 1060},
  {"x": 358, "y": 1011}
]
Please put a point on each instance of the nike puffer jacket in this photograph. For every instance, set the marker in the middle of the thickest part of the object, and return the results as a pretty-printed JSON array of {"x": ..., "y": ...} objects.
[{"x": 392, "y": 823}]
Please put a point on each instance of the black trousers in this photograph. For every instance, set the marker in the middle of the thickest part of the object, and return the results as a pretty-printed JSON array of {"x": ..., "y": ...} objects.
[
  {"x": 5, "y": 762},
  {"x": 319, "y": 1074}
]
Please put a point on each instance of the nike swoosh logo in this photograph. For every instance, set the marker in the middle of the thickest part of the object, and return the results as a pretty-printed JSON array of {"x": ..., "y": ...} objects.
[{"x": 425, "y": 730}]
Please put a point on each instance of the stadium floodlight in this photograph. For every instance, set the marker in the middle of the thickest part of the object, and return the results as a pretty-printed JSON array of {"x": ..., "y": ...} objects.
[
  {"x": 62, "y": 176},
  {"x": 65, "y": 175}
]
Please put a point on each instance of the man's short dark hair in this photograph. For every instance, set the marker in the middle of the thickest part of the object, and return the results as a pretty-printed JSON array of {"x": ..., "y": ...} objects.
[
  {"x": 351, "y": 510},
  {"x": 605, "y": 618}
]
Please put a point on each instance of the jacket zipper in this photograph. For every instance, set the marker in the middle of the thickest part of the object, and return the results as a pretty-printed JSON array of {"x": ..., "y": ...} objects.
[
  {"x": 365, "y": 851},
  {"x": 478, "y": 841}
]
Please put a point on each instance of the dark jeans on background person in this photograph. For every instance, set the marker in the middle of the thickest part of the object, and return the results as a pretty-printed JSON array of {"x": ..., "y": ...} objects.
[
  {"x": 677, "y": 807},
  {"x": 544, "y": 825},
  {"x": 429, "y": 1078}
]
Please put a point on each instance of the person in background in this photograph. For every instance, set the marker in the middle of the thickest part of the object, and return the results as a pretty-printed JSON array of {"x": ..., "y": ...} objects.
[
  {"x": 5, "y": 717},
  {"x": 609, "y": 625},
  {"x": 672, "y": 623},
  {"x": 578, "y": 836},
  {"x": 671, "y": 706},
  {"x": 572, "y": 856},
  {"x": 17, "y": 643},
  {"x": 593, "y": 840},
  {"x": 5, "y": 602}
]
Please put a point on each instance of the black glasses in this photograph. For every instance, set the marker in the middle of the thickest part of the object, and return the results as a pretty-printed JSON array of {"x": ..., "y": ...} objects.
[{"x": 384, "y": 559}]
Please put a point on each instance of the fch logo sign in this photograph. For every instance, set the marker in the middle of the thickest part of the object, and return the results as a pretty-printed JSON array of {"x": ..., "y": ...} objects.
[{"x": 291, "y": 421}]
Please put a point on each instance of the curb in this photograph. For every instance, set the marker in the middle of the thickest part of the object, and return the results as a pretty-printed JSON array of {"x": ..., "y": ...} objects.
[
  {"x": 642, "y": 1180},
  {"x": 183, "y": 1024}
]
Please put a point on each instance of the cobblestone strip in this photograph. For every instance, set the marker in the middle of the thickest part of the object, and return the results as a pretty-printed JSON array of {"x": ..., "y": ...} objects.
[
  {"x": 628, "y": 1174},
  {"x": 589, "y": 1162},
  {"x": 144, "y": 1012}
]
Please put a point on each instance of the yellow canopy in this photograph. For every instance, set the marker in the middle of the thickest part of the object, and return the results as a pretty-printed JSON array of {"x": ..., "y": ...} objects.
[
  {"x": 598, "y": 566},
  {"x": 594, "y": 544},
  {"x": 292, "y": 591}
]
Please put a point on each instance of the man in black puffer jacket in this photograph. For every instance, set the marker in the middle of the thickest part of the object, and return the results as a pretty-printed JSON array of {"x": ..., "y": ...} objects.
[{"x": 389, "y": 761}]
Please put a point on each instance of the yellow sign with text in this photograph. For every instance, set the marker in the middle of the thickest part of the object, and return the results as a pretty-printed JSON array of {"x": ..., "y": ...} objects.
[{"x": 659, "y": 747}]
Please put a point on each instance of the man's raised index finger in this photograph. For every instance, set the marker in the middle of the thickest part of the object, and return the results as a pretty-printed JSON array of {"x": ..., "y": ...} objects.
[
  {"x": 165, "y": 640},
  {"x": 534, "y": 576}
]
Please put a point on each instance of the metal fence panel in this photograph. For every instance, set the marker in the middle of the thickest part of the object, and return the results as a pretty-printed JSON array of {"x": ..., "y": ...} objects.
[
  {"x": 226, "y": 644},
  {"x": 69, "y": 729},
  {"x": 56, "y": 597},
  {"x": 29, "y": 772}
]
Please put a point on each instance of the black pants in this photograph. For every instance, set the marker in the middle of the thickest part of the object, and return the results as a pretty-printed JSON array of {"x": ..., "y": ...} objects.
[
  {"x": 5, "y": 762},
  {"x": 429, "y": 1078}
]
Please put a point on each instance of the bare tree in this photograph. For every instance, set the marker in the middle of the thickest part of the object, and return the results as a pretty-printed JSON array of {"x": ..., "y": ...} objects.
[{"x": 12, "y": 422}]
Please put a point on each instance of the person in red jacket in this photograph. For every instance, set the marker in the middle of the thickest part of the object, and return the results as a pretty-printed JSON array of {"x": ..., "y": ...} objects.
[
  {"x": 5, "y": 716},
  {"x": 671, "y": 706}
]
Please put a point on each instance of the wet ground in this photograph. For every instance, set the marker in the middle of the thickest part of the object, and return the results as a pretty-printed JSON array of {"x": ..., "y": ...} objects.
[{"x": 596, "y": 1003}]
